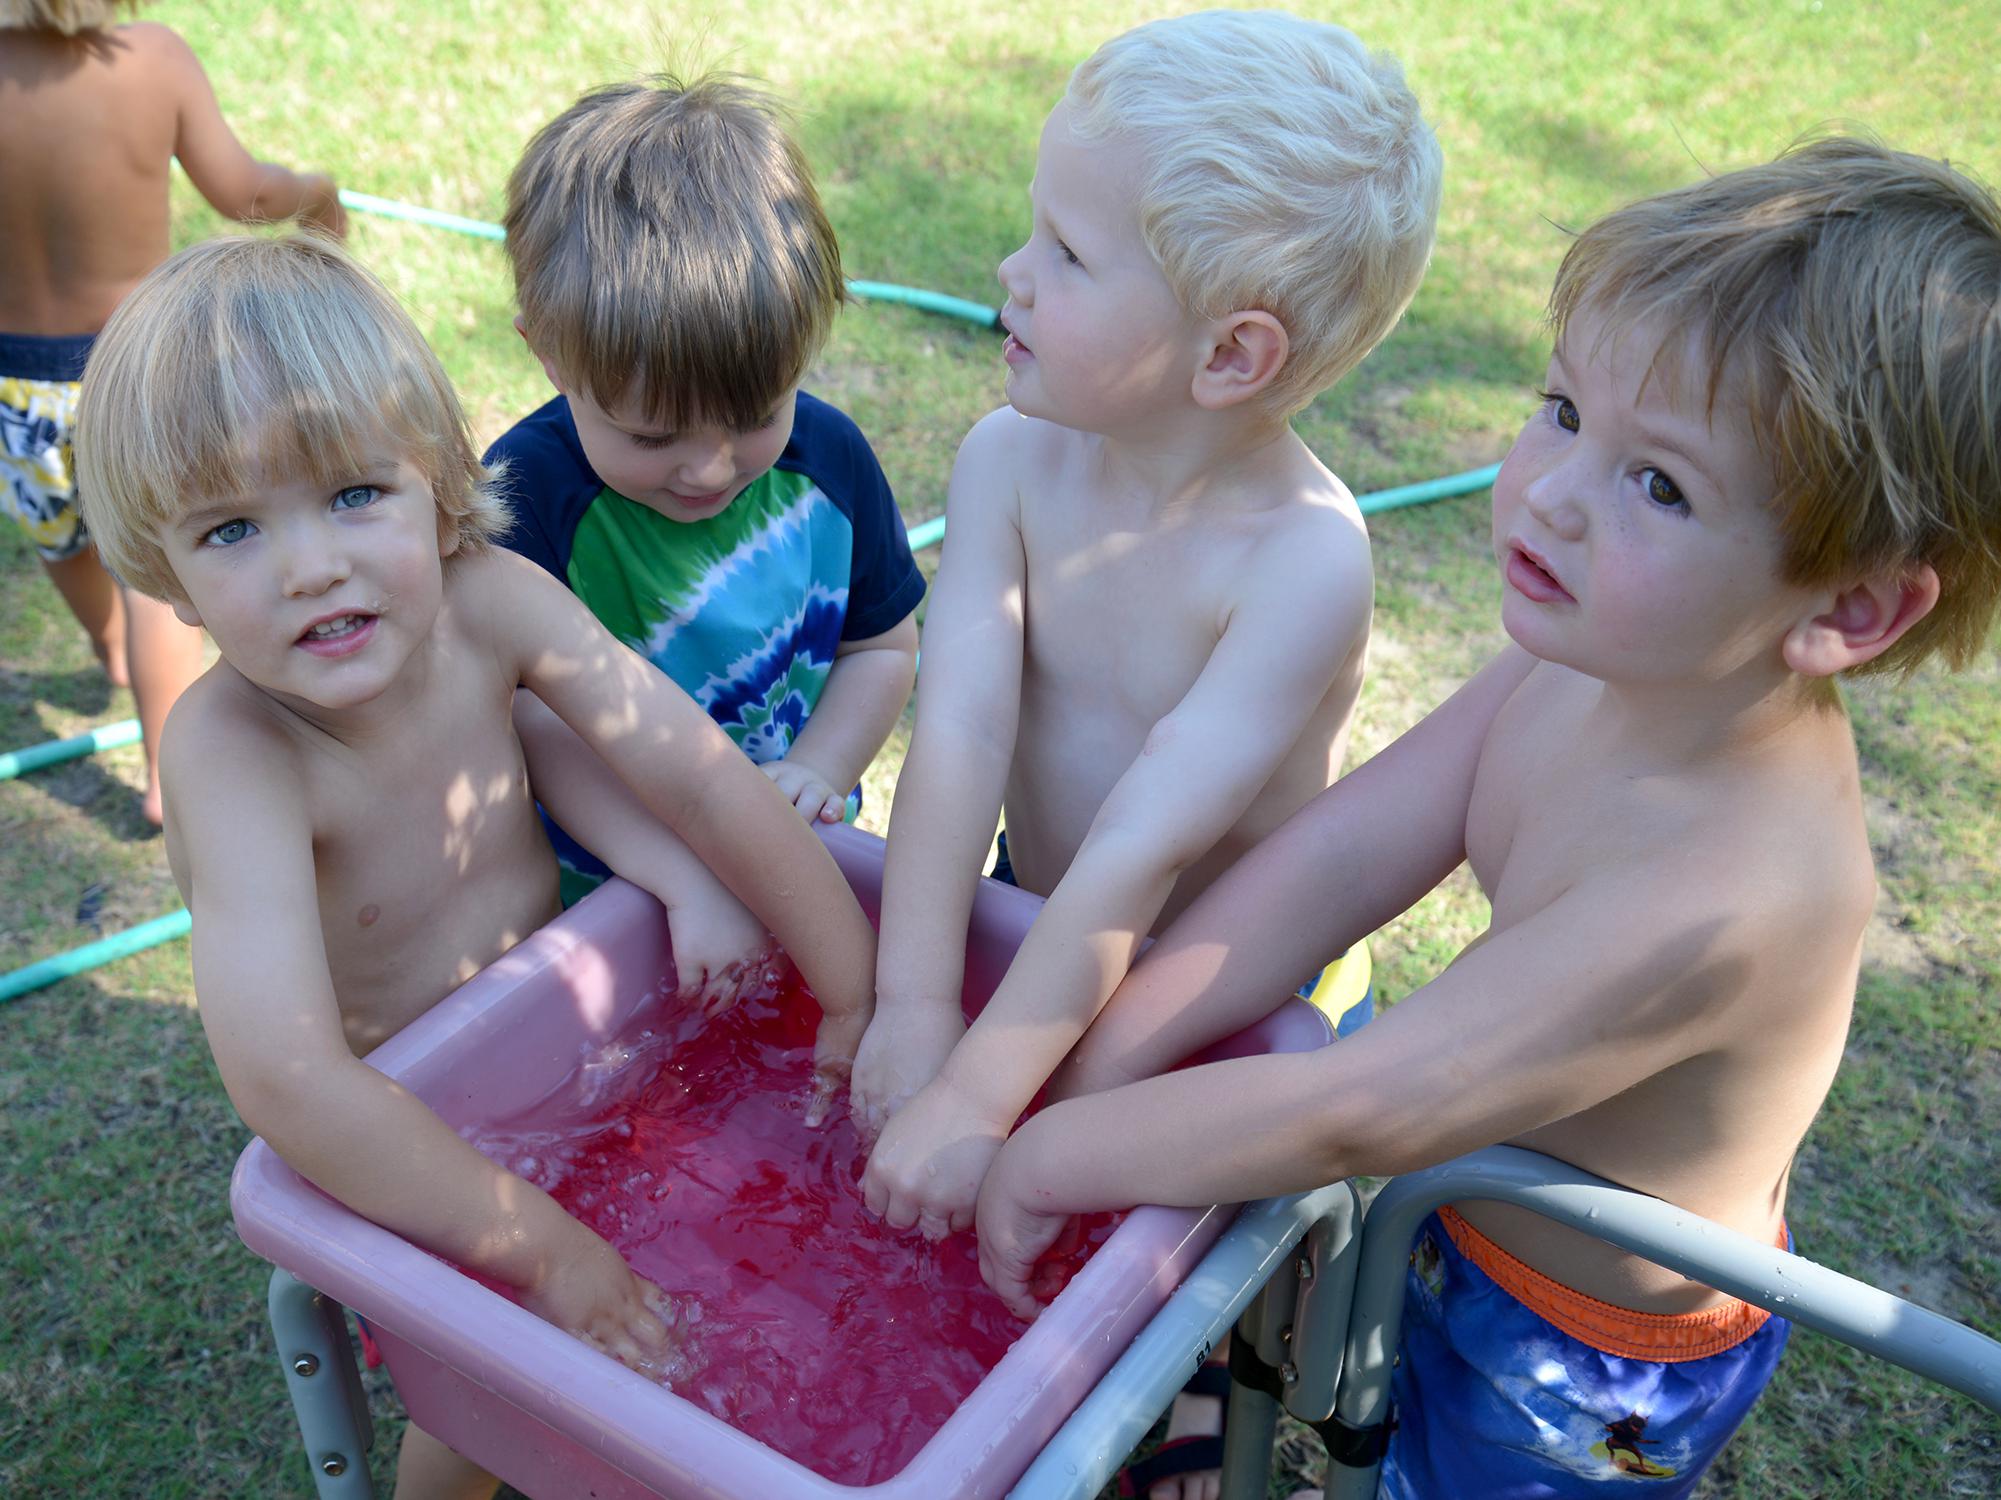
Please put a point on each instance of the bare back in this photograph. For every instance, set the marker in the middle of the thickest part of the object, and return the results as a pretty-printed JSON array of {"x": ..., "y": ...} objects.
[
  {"x": 1760, "y": 849},
  {"x": 428, "y": 856},
  {"x": 92, "y": 122},
  {"x": 1124, "y": 608}
]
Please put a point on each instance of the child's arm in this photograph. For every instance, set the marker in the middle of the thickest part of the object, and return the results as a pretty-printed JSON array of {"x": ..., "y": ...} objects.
[
  {"x": 1632, "y": 971},
  {"x": 267, "y": 1005},
  {"x": 865, "y": 691},
  {"x": 691, "y": 777},
  {"x": 716, "y": 942},
  {"x": 1517, "y": 1032},
  {"x": 1301, "y": 614},
  {"x": 1349, "y": 862},
  {"x": 948, "y": 794},
  {"x": 234, "y": 182}
]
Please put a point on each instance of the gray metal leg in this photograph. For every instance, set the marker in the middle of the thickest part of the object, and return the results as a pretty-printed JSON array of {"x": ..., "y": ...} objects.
[
  {"x": 318, "y": 1358},
  {"x": 1081, "y": 1458},
  {"x": 1808, "y": 1294}
]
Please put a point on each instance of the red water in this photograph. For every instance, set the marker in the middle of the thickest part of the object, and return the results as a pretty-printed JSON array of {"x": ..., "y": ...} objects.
[{"x": 804, "y": 1321}]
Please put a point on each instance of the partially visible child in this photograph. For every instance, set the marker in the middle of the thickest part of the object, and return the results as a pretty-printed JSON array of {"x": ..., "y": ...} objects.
[
  {"x": 267, "y": 444},
  {"x": 1767, "y": 456},
  {"x": 96, "y": 114},
  {"x": 676, "y": 277},
  {"x": 1153, "y": 614}
]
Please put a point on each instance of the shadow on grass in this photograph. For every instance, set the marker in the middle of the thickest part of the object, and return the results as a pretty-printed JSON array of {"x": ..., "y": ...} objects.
[{"x": 87, "y": 691}]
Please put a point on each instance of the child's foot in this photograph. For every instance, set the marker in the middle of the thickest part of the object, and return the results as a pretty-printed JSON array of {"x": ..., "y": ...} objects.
[{"x": 1189, "y": 1459}]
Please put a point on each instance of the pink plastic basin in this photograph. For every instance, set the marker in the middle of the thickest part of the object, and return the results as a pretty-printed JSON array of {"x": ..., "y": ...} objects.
[{"x": 554, "y": 1418}]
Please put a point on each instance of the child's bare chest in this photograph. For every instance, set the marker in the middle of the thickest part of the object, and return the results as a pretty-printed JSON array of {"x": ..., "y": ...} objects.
[
  {"x": 1547, "y": 812},
  {"x": 1121, "y": 621},
  {"x": 431, "y": 862}
]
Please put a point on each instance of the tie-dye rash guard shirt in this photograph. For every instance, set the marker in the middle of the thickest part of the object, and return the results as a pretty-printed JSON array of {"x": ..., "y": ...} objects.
[{"x": 746, "y": 608}]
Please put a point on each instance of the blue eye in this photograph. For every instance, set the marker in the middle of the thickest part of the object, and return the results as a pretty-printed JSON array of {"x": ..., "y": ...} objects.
[
  {"x": 228, "y": 534},
  {"x": 355, "y": 496},
  {"x": 1664, "y": 492}
]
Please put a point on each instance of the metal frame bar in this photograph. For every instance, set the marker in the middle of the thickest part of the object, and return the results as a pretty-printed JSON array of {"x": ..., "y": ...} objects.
[
  {"x": 318, "y": 1358},
  {"x": 1088, "y": 1449},
  {"x": 1808, "y": 1294}
]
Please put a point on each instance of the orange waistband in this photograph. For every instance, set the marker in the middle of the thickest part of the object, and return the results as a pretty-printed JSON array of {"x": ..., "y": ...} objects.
[{"x": 1663, "y": 1338}]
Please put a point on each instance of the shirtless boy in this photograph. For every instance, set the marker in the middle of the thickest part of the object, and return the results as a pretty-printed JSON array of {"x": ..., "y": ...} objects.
[
  {"x": 96, "y": 115},
  {"x": 1150, "y": 626},
  {"x": 1765, "y": 458},
  {"x": 267, "y": 444}
]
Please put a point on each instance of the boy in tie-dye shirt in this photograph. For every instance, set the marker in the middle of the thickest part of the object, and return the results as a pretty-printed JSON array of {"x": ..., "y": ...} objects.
[{"x": 676, "y": 276}]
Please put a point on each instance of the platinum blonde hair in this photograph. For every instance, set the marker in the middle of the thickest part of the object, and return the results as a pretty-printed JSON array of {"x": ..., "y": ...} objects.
[{"x": 1286, "y": 168}]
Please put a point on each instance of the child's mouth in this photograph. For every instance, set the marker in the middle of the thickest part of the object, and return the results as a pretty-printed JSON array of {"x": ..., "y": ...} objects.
[
  {"x": 1529, "y": 577},
  {"x": 339, "y": 635},
  {"x": 1014, "y": 351}
]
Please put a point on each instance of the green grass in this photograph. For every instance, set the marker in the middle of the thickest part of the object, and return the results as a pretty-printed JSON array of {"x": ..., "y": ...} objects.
[{"x": 133, "y": 1356}]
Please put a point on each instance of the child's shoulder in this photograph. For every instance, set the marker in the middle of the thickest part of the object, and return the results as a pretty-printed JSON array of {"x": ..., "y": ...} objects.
[
  {"x": 147, "y": 47},
  {"x": 1005, "y": 435},
  {"x": 225, "y": 743},
  {"x": 1768, "y": 841},
  {"x": 828, "y": 446}
]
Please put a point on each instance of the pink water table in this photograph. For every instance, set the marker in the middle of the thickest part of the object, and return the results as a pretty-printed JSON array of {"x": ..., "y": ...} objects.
[{"x": 556, "y": 1419}]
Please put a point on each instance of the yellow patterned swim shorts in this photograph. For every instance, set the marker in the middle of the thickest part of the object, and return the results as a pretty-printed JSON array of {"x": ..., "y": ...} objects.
[{"x": 38, "y": 386}]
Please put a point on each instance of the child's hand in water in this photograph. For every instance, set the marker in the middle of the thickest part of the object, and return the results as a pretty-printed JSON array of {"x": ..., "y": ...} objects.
[
  {"x": 926, "y": 1168},
  {"x": 834, "y": 1047},
  {"x": 807, "y": 790},
  {"x": 719, "y": 947},
  {"x": 588, "y": 1291},
  {"x": 903, "y": 1050},
  {"x": 1014, "y": 1236}
]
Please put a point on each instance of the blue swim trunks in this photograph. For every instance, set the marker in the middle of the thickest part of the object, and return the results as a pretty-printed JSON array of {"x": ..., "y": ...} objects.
[
  {"x": 1342, "y": 990},
  {"x": 1511, "y": 1386},
  {"x": 38, "y": 386}
]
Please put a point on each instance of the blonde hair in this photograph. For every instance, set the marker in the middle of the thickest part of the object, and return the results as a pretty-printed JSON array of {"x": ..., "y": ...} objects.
[
  {"x": 66, "y": 16},
  {"x": 1286, "y": 169},
  {"x": 667, "y": 242},
  {"x": 241, "y": 356},
  {"x": 1850, "y": 295}
]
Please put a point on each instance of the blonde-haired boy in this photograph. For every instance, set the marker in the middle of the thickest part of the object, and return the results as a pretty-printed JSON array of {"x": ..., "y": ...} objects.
[
  {"x": 96, "y": 115},
  {"x": 1766, "y": 457},
  {"x": 268, "y": 444},
  {"x": 676, "y": 277},
  {"x": 1152, "y": 615}
]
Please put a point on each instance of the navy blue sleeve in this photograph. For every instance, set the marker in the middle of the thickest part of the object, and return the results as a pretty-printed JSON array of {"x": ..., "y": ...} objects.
[
  {"x": 548, "y": 485},
  {"x": 883, "y": 582}
]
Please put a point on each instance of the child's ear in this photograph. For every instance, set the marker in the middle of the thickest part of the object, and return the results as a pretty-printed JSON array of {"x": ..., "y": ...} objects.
[
  {"x": 184, "y": 611},
  {"x": 540, "y": 358},
  {"x": 1246, "y": 352},
  {"x": 1862, "y": 621}
]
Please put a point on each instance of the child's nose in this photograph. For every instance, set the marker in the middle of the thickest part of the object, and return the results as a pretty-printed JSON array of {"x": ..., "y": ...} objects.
[
  {"x": 711, "y": 469},
  {"x": 1552, "y": 498},
  {"x": 1012, "y": 278},
  {"x": 313, "y": 564}
]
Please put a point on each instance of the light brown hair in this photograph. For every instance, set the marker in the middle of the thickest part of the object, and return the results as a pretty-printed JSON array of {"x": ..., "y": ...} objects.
[
  {"x": 239, "y": 356},
  {"x": 1850, "y": 296},
  {"x": 67, "y": 16},
  {"x": 670, "y": 251}
]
